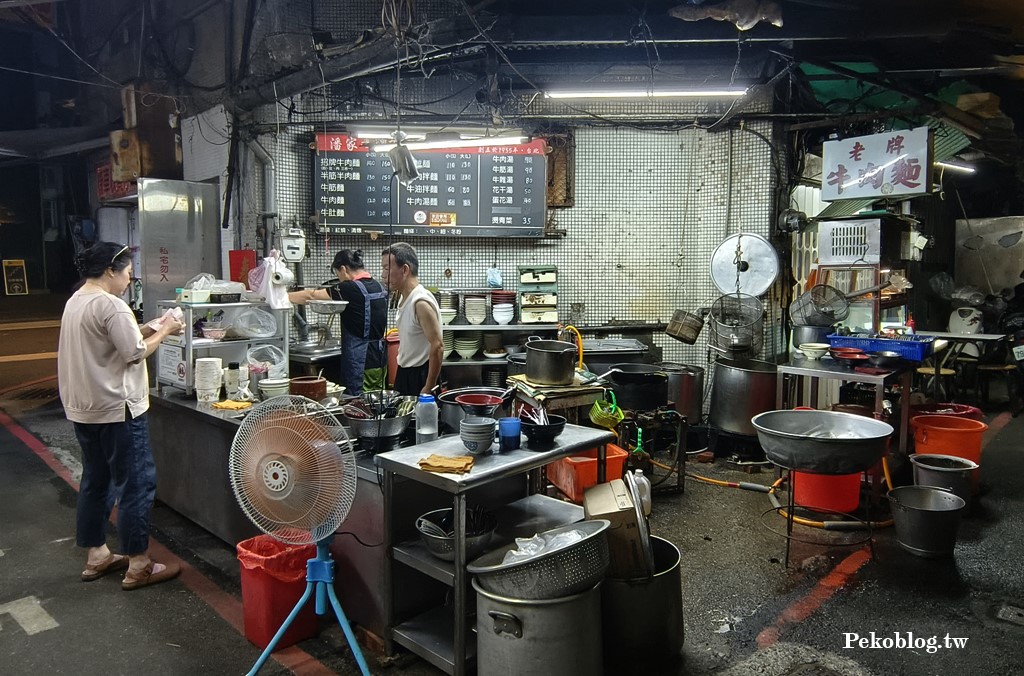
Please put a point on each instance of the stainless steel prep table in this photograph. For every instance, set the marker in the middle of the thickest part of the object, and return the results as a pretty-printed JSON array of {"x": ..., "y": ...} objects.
[
  {"x": 438, "y": 636},
  {"x": 829, "y": 369}
]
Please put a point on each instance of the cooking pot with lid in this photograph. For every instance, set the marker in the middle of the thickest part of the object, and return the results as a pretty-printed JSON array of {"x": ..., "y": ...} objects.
[{"x": 550, "y": 362}]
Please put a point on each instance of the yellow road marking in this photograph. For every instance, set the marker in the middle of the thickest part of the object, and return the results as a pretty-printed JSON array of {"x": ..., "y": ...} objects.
[
  {"x": 17, "y": 326},
  {"x": 27, "y": 357}
]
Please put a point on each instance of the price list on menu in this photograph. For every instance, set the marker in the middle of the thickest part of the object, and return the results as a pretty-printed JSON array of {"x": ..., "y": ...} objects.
[{"x": 491, "y": 191}]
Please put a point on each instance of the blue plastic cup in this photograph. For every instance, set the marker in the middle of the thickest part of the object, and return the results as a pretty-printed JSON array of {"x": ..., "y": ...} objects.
[{"x": 509, "y": 430}]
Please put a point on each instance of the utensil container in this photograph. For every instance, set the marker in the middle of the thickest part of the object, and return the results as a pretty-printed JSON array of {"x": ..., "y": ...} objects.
[
  {"x": 554, "y": 636},
  {"x": 926, "y": 519},
  {"x": 643, "y": 617}
]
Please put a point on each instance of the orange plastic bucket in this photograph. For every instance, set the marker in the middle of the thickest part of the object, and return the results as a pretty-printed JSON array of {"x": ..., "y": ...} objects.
[
  {"x": 828, "y": 492},
  {"x": 948, "y": 435}
]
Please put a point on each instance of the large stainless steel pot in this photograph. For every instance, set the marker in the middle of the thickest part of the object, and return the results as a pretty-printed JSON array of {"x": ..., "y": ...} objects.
[
  {"x": 516, "y": 364},
  {"x": 822, "y": 442},
  {"x": 639, "y": 387},
  {"x": 451, "y": 413},
  {"x": 550, "y": 636},
  {"x": 740, "y": 389},
  {"x": 811, "y": 334},
  {"x": 685, "y": 390},
  {"x": 550, "y": 362}
]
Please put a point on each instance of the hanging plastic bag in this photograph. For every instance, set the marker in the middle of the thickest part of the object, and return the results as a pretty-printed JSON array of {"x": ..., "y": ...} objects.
[
  {"x": 261, "y": 280},
  {"x": 254, "y": 322}
]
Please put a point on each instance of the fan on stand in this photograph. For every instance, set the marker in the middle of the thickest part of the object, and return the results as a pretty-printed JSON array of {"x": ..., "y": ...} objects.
[{"x": 294, "y": 475}]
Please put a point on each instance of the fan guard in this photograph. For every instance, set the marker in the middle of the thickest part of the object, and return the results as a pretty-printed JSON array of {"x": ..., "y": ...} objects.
[
  {"x": 822, "y": 305},
  {"x": 292, "y": 470}
]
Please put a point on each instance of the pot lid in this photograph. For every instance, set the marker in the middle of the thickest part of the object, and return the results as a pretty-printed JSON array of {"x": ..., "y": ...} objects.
[{"x": 744, "y": 263}]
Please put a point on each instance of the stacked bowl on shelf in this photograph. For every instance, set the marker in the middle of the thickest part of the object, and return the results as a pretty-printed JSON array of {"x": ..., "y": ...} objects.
[
  {"x": 503, "y": 306},
  {"x": 449, "y": 304},
  {"x": 468, "y": 344},
  {"x": 476, "y": 309},
  {"x": 449, "y": 342}
]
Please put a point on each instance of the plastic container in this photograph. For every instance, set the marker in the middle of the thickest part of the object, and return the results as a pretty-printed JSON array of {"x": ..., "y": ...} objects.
[
  {"x": 426, "y": 419},
  {"x": 643, "y": 487},
  {"x": 948, "y": 435},
  {"x": 950, "y": 409},
  {"x": 911, "y": 348},
  {"x": 273, "y": 580},
  {"x": 828, "y": 492},
  {"x": 575, "y": 474}
]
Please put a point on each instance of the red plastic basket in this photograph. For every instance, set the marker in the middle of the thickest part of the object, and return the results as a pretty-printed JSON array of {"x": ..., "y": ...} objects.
[{"x": 575, "y": 474}]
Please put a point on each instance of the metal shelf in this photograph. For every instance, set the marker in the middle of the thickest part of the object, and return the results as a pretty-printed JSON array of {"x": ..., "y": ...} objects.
[
  {"x": 202, "y": 344},
  {"x": 430, "y": 636},
  {"x": 522, "y": 328},
  {"x": 415, "y": 554},
  {"x": 475, "y": 362}
]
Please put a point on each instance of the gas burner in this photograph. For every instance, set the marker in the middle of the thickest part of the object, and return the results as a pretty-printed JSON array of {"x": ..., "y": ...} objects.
[{"x": 728, "y": 445}]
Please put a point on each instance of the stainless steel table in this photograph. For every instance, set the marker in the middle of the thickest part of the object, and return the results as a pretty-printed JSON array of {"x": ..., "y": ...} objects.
[
  {"x": 958, "y": 342},
  {"x": 436, "y": 636},
  {"x": 827, "y": 368}
]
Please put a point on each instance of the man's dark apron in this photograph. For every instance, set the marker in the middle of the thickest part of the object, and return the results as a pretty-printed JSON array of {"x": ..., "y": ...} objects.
[{"x": 354, "y": 348}]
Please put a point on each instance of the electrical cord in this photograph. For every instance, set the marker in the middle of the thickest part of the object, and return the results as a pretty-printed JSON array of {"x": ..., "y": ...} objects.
[{"x": 358, "y": 539}]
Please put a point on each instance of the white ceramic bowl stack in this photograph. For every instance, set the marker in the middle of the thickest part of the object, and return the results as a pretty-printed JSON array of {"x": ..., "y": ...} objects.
[
  {"x": 209, "y": 371},
  {"x": 273, "y": 387},
  {"x": 468, "y": 344},
  {"x": 477, "y": 434},
  {"x": 813, "y": 350},
  {"x": 447, "y": 315},
  {"x": 476, "y": 309},
  {"x": 503, "y": 307},
  {"x": 449, "y": 343}
]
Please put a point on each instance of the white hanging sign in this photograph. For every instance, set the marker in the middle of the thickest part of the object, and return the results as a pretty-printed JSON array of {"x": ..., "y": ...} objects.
[{"x": 892, "y": 164}]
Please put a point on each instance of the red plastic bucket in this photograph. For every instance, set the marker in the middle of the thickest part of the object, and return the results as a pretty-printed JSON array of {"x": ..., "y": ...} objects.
[
  {"x": 828, "y": 492},
  {"x": 948, "y": 435},
  {"x": 273, "y": 580},
  {"x": 950, "y": 409}
]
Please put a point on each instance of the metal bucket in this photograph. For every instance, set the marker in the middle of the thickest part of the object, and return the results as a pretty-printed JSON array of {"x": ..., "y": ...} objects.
[
  {"x": 643, "y": 617},
  {"x": 685, "y": 326},
  {"x": 945, "y": 471},
  {"x": 550, "y": 362},
  {"x": 926, "y": 519},
  {"x": 740, "y": 389},
  {"x": 686, "y": 390},
  {"x": 554, "y": 636}
]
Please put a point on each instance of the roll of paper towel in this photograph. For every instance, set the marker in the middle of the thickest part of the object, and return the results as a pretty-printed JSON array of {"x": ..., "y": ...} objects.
[{"x": 283, "y": 277}]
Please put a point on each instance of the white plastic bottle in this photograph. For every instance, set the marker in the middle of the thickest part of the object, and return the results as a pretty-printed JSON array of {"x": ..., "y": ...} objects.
[
  {"x": 426, "y": 419},
  {"x": 643, "y": 486}
]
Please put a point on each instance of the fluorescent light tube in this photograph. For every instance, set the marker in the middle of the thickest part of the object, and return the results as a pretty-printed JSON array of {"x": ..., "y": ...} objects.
[
  {"x": 458, "y": 143},
  {"x": 390, "y": 134},
  {"x": 949, "y": 166},
  {"x": 644, "y": 94}
]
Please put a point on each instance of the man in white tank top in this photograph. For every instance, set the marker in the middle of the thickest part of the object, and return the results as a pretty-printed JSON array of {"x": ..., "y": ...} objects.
[{"x": 420, "y": 348}]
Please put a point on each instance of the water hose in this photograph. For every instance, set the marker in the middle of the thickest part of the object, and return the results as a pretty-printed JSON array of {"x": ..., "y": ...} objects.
[
  {"x": 832, "y": 525},
  {"x": 579, "y": 338}
]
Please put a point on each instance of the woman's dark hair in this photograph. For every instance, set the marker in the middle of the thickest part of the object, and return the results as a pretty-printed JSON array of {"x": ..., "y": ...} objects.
[
  {"x": 95, "y": 260},
  {"x": 353, "y": 260}
]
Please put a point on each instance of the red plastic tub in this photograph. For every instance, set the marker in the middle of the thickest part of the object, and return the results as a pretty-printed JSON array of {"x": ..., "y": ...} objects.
[
  {"x": 575, "y": 474},
  {"x": 273, "y": 579},
  {"x": 828, "y": 492},
  {"x": 955, "y": 410}
]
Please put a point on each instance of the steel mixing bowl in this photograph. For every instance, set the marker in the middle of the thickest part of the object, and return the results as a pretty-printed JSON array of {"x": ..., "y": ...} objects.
[{"x": 821, "y": 442}]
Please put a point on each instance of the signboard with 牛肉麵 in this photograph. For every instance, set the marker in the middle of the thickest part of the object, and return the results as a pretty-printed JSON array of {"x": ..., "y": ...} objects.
[
  {"x": 491, "y": 191},
  {"x": 891, "y": 164}
]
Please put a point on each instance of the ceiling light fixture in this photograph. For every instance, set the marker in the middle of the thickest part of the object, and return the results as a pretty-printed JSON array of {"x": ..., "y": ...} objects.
[
  {"x": 950, "y": 166},
  {"x": 645, "y": 94},
  {"x": 458, "y": 143}
]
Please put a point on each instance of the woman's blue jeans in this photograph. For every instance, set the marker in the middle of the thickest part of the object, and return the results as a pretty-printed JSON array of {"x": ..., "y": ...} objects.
[{"x": 117, "y": 467}]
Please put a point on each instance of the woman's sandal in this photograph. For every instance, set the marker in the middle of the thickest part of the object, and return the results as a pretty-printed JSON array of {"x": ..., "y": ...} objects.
[
  {"x": 147, "y": 576},
  {"x": 113, "y": 563}
]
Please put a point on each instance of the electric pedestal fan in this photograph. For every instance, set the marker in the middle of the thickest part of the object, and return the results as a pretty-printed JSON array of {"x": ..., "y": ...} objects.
[{"x": 294, "y": 475}]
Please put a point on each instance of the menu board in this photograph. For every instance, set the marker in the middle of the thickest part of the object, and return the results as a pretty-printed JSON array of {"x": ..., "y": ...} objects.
[{"x": 491, "y": 191}]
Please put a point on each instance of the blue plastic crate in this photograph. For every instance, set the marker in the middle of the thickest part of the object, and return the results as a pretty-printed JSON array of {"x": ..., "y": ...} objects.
[{"x": 911, "y": 348}]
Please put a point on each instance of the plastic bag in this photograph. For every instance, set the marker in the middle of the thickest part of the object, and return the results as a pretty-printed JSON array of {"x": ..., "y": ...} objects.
[
  {"x": 942, "y": 284},
  {"x": 201, "y": 282},
  {"x": 281, "y": 561},
  {"x": 227, "y": 286},
  {"x": 494, "y": 278},
  {"x": 261, "y": 281},
  {"x": 528, "y": 548},
  {"x": 270, "y": 358},
  {"x": 254, "y": 322}
]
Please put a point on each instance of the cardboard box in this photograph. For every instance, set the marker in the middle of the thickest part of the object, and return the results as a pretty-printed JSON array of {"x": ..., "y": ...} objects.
[{"x": 611, "y": 501}]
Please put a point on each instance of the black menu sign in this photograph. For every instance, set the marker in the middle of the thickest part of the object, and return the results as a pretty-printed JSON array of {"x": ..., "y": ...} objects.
[{"x": 471, "y": 192}]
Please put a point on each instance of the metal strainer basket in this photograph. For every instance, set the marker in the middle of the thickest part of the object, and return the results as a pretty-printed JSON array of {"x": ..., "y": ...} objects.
[{"x": 552, "y": 575}]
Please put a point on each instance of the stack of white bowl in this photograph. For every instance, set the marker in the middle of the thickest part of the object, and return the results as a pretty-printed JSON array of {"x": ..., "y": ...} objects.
[
  {"x": 209, "y": 371},
  {"x": 447, "y": 315},
  {"x": 449, "y": 342},
  {"x": 503, "y": 312},
  {"x": 476, "y": 309},
  {"x": 448, "y": 300},
  {"x": 477, "y": 434},
  {"x": 468, "y": 344}
]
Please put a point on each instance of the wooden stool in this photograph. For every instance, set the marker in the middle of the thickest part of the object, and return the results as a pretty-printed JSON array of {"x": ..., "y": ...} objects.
[
  {"x": 935, "y": 381},
  {"x": 986, "y": 371}
]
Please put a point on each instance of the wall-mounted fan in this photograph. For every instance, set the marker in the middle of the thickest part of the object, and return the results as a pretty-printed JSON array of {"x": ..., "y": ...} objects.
[{"x": 294, "y": 475}]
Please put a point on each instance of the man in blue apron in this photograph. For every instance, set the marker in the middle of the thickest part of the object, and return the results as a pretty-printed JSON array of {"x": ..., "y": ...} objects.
[{"x": 363, "y": 321}]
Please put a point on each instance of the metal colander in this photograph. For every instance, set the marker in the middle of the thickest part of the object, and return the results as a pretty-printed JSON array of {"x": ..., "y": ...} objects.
[{"x": 562, "y": 572}]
